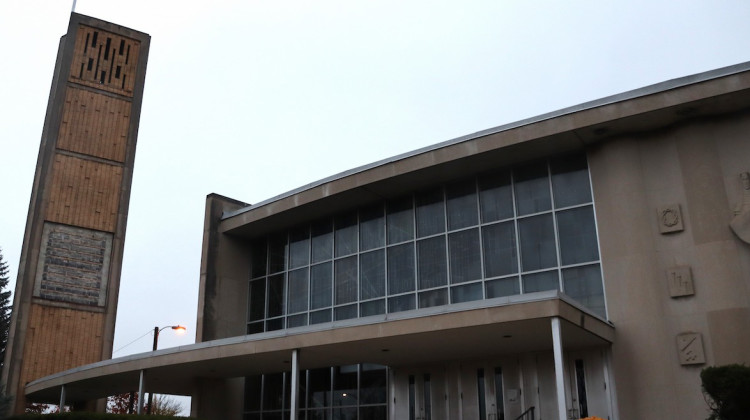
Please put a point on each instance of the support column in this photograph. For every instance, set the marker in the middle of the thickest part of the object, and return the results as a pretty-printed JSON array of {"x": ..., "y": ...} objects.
[
  {"x": 611, "y": 388},
  {"x": 294, "y": 409},
  {"x": 141, "y": 386},
  {"x": 562, "y": 408},
  {"x": 62, "y": 398}
]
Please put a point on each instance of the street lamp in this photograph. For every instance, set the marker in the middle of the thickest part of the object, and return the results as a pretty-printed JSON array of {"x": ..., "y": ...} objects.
[
  {"x": 157, "y": 330},
  {"x": 180, "y": 329}
]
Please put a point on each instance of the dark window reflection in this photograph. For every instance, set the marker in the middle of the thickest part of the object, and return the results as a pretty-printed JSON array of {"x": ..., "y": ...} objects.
[
  {"x": 570, "y": 180},
  {"x": 577, "y": 234},
  {"x": 496, "y": 196},
  {"x": 532, "y": 189},
  {"x": 322, "y": 241},
  {"x": 499, "y": 243},
  {"x": 400, "y": 220},
  {"x": 537, "y": 242},
  {"x": 539, "y": 282},
  {"x": 371, "y": 228},
  {"x": 401, "y": 268},
  {"x": 461, "y": 204},
  {"x": 465, "y": 263},
  {"x": 372, "y": 274},
  {"x": 432, "y": 266},
  {"x": 430, "y": 213}
]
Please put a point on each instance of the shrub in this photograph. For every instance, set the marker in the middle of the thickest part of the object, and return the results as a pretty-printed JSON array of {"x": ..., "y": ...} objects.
[
  {"x": 87, "y": 416},
  {"x": 728, "y": 391}
]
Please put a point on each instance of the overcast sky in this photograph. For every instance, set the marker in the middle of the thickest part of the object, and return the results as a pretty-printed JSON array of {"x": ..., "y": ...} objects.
[{"x": 250, "y": 99}]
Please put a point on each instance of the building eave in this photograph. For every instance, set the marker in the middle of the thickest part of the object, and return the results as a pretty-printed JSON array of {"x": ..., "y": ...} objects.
[
  {"x": 719, "y": 91},
  {"x": 475, "y": 329}
]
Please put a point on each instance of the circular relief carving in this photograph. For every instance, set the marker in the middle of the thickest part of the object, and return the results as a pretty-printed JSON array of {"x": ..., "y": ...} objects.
[{"x": 670, "y": 217}]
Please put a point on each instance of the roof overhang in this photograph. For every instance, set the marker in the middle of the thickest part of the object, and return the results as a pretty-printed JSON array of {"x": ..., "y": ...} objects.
[
  {"x": 479, "y": 329},
  {"x": 707, "y": 94}
]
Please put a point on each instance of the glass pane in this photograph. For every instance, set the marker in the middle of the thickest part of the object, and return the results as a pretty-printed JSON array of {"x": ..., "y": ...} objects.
[
  {"x": 298, "y": 293},
  {"x": 373, "y": 307},
  {"x": 372, "y": 274},
  {"x": 319, "y": 381},
  {"x": 258, "y": 259},
  {"x": 584, "y": 284},
  {"x": 253, "y": 385},
  {"x": 377, "y": 412},
  {"x": 296, "y": 321},
  {"x": 466, "y": 293},
  {"x": 430, "y": 213},
  {"x": 321, "y": 281},
  {"x": 537, "y": 242},
  {"x": 371, "y": 228},
  {"x": 577, "y": 235},
  {"x": 499, "y": 398},
  {"x": 345, "y": 280},
  {"x": 400, "y": 222},
  {"x": 274, "y": 324},
  {"x": 276, "y": 295},
  {"x": 432, "y": 265},
  {"x": 345, "y": 240},
  {"x": 273, "y": 391},
  {"x": 299, "y": 248},
  {"x": 372, "y": 386},
  {"x": 319, "y": 317},
  {"x": 480, "y": 394},
  {"x": 532, "y": 189},
  {"x": 502, "y": 287},
  {"x": 400, "y": 268},
  {"x": 427, "y": 396},
  {"x": 255, "y": 327},
  {"x": 318, "y": 415},
  {"x": 277, "y": 254},
  {"x": 345, "y": 312},
  {"x": 495, "y": 196},
  {"x": 401, "y": 303},
  {"x": 499, "y": 243},
  {"x": 322, "y": 241},
  {"x": 461, "y": 204},
  {"x": 570, "y": 181},
  {"x": 345, "y": 413},
  {"x": 345, "y": 386},
  {"x": 465, "y": 263},
  {"x": 433, "y": 298},
  {"x": 538, "y": 282},
  {"x": 257, "y": 310}
]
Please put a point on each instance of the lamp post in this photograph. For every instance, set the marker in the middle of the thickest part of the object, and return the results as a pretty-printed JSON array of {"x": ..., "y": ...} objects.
[{"x": 157, "y": 330}]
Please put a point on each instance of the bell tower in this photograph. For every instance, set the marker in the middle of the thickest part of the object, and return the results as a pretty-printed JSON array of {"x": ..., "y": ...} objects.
[{"x": 69, "y": 274}]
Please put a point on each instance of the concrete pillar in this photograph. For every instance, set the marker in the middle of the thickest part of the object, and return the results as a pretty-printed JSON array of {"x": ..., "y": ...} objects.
[
  {"x": 141, "y": 386},
  {"x": 62, "y": 398},
  {"x": 295, "y": 385},
  {"x": 562, "y": 409}
]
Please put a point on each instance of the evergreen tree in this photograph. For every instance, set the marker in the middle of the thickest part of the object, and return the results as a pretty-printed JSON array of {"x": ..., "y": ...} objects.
[{"x": 5, "y": 307}]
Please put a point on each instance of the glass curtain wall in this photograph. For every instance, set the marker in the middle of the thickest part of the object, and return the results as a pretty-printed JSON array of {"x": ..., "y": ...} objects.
[
  {"x": 352, "y": 392},
  {"x": 515, "y": 230}
]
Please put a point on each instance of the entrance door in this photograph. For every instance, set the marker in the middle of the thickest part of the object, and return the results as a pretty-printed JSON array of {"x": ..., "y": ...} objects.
[
  {"x": 491, "y": 391},
  {"x": 588, "y": 384},
  {"x": 420, "y": 394}
]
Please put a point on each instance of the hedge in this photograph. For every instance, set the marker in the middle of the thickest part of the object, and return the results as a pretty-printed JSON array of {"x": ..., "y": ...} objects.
[{"x": 89, "y": 416}]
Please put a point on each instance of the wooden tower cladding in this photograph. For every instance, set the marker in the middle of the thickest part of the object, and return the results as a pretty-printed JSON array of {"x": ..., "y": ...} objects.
[{"x": 68, "y": 278}]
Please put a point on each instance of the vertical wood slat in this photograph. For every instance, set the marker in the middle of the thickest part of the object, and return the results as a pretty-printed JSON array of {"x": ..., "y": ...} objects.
[
  {"x": 84, "y": 193},
  {"x": 59, "y": 325},
  {"x": 94, "y": 124},
  {"x": 93, "y": 77}
]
